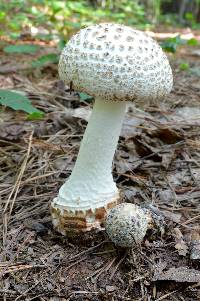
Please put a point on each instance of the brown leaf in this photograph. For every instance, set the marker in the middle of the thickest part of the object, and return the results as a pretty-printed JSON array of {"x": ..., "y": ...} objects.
[
  {"x": 6, "y": 82},
  {"x": 180, "y": 274},
  {"x": 181, "y": 245},
  {"x": 187, "y": 115},
  {"x": 12, "y": 131},
  {"x": 195, "y": 246},
  {"x": 82, "y": 113},
  {"x": 129, "y": 127},
  {"x": 56, "y": 148},
  {"x": 132, "y": 121},
  {"x": 167, "y": 158},
  {"x": 167, "y": 135},
  {"x": 125, "y": 161},
  {"x": 174, "y": 217}
]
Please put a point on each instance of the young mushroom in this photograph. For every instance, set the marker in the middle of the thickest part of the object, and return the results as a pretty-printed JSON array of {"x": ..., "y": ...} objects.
[
  {"x": 115, "y": 64},
  {"x": 126, "y": 224}
]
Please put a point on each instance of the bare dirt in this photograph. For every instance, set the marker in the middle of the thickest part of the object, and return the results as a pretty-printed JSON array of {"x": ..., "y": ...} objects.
[{"x": 157, "y": 165}]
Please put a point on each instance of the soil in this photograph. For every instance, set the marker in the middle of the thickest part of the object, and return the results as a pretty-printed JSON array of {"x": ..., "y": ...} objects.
[{"x": 156, "y": 165}]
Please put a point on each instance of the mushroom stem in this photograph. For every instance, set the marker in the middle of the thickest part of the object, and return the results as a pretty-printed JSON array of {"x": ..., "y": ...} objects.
[{"x": 91, "y": 185}]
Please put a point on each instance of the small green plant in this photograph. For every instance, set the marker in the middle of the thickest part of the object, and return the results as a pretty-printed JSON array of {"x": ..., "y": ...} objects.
[
  {"x": 192, "y": 42},
  {"x": 171, "y": 44},
  {"x": 190, "y": 18},
  {"x": 17, "y": 101},
  {"x": 63, "y": 18},
  {"x": 21, "y": 48},
  {"x": 184, "y": 66},
  {"x": 51, "y": 58},
  {"x": 85, "y": 97},
  {"x": 35, "y": 116}
]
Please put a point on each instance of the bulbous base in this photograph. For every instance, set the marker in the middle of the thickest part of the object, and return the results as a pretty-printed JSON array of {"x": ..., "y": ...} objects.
[{"x": 67, "y": 221}]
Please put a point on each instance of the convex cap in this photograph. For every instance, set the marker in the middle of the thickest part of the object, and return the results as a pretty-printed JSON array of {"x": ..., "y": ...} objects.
[
  {"x": 126, "y": 225},
  {"x": 116, "y": 62}
]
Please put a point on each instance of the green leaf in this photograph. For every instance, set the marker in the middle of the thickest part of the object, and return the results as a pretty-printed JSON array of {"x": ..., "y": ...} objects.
[
  {"x": 35, "y": 116},
  {"x": 61, "y": 44},
  {"x": 184, "y": 66},
  {"x": 192, "y": 42},
  {"x": 2, "y": 15},
  {"x": 171, "y": 44},
  {"x": 85, "y": 97},
  {"x": 51, "y": 58},
  {"x": 14, "y": 35},
  {"x": 17, "y": 101},
  {"x": 57, "y": 6},
  {"x": 22, "y": 48},
  {"x": 190, "y": 17},
  {"x": 169, "y": 47}
]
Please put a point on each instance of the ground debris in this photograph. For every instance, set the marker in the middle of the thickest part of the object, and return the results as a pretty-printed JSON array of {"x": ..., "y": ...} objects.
[
  {"x": 178, "y": 274},
  {"x": 195, "y": 245},
  {"x": 13, "y": 131},
  {"x": 180, "y": 245}
]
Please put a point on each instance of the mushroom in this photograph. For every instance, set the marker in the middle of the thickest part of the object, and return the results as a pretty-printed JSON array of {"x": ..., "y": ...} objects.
[
  {"x": 115, "y": 64},
  {"x": 126, "y": 224}
]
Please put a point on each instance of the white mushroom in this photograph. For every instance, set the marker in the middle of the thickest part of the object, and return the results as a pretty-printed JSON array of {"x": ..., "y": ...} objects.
[
  {"x": 115, "y": 64},
  {"x": 126, "y": 224}
]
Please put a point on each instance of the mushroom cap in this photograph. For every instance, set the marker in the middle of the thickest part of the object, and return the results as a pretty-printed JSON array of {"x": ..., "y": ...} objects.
[
  {"x": 116, "y": 62},
  {"x": 126, "y": 225}
]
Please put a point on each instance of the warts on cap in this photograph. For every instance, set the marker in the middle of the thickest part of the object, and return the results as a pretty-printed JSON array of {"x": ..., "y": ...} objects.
[
  {"x": 126, "y": 225},
  {"x": 94, "y": 57},
  {"x": 115, "y": 64}
]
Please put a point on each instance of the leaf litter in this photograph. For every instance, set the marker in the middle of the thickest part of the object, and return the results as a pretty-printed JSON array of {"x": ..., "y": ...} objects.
[{"x": 157, "y": 164}]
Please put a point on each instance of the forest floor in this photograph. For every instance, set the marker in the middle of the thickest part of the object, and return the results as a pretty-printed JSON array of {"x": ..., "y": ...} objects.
[{"x": 157, "y": 163}]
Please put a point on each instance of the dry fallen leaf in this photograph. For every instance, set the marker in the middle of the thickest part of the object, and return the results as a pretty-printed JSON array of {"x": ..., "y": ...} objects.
[
  {"x": 181, "y": 245},
  {"x": 180, "y": 274},
  {"x": 174, "y": 217},
  {"x": 12, "y": 131},
  {"x": 187, "y": 115},
  {"x": 195, "y": 246},
  {"x": 82, "y": 113},
  {"x": 6, "y": 82}
]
